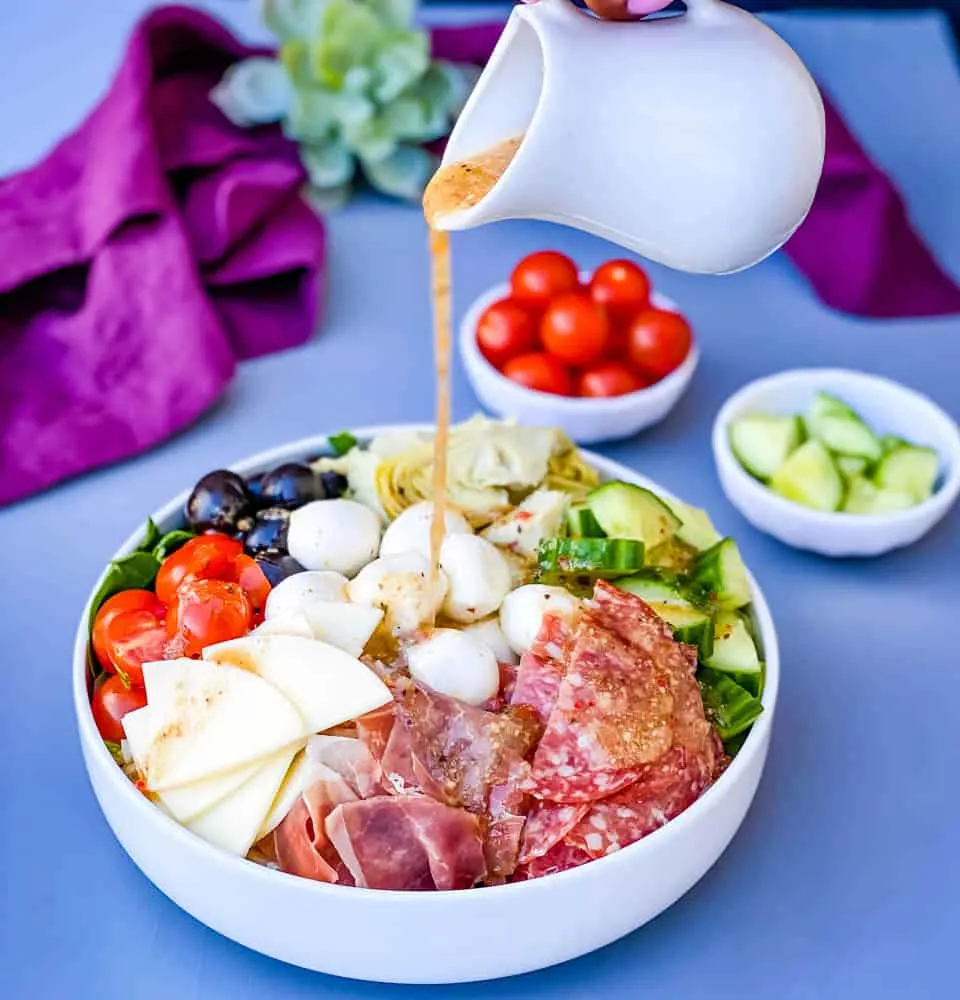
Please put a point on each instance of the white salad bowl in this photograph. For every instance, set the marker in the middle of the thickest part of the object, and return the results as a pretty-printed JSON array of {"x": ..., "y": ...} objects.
[
  {"x": 585, "y": 421},
  {"x": 425, "y": 937},
  {"x": 889, "y": 408}
]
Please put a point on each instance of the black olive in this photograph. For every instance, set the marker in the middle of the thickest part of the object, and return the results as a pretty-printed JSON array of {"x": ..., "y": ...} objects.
[
  {"x": 277, "y": 567},
  {"x": 334, "y": 485},
  {"x": 218, "y": 501},
  {"x": 267, "y": 531},
  {"x": 290, "y": 485}
]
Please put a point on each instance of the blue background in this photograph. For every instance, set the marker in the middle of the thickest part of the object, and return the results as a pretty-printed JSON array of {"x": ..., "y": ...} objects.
[{"x": 844, "y": 881}]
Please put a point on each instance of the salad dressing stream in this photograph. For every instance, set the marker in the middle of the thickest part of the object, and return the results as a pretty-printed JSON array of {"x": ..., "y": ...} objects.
[{"x": 453, "y": 188}]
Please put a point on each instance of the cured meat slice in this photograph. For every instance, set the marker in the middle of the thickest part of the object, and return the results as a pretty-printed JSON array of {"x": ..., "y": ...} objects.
[
  {"x": 506, "y": 809},
  {"x": 452, "y": 751},
  {"x": 547, "y": 824},
  {"x": 407, "y": 842},
  {"x": 374, "y": 729},
  {"x": 615, "y": 709},
  {"x": 543, "y": 666},
  {"x": 560, "y": 859},
  {"x": 300, "y": 842},
  {"x": 351, "y": 759}
]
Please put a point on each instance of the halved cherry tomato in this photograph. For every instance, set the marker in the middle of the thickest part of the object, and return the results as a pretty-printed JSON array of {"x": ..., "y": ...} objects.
[
  {"x": 608, "y": 378},
  {"x": 206, "y": 557},
  {"x": 542, "y": 276},
  {"x": 126, "y": 600},
  {"x": 253, "y": 582},
  {"x": 541, "y": 372},
  {"x": 504, "y": 330},
  {"x": 206, "y": 612},
  {"x": 621, "y": 287},
  {"x": 658, "y": 342},
  {"x": 134, "y": 638},
  {"x": 574, "y": 329},
  {"x": 111, "y": 701}
]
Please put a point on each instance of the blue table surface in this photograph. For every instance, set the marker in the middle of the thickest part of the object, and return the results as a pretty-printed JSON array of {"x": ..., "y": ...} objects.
[{"x": 844, "y": 880}]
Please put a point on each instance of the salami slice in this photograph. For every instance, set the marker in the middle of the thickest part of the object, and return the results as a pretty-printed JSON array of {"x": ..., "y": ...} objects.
[
  {"x": 547, "y": 824},
  {"x": 543, "y": 667},
  {"x": 560, "y": 859}
]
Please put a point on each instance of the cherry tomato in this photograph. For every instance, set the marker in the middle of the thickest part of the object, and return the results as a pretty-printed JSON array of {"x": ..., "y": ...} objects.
[
  {"x": 253, "y": 582},
  {"x": 206, "y": 557},
  {"x": 658, "y": 342},
  {"x": 208, "y": 611},
  {"x": 541, "y": 372},
  {"x": 608, "y": 378},
  {"x": 505, "y": 330},
  {"x": 621, "y": 287},
  {"x": 126, "y": 600},
  {"x": 574, "y": 329},
  {"x": 111, "y": 701},
  {"x": 542, "y": 276},
  {"x": 134, "y": 638}
]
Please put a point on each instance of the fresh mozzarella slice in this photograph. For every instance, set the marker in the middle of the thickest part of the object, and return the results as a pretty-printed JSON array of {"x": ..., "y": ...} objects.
[
  {"x": 297, "y": 624},
  {"x": 456, "y": 664},
  {"x": 522, "y": 611},
  {"x": 233, "y": 823},
  {"x": 478, "y": 577},
  {"x": 290, "y": 596},
  {"x": 293, "y": 785},
  {"x": 523, "y": 528},
  {"x": 490, "y": 634},
  {"x": 400, "y": 584},
  {"x": 327, "y": 685},
  {"x": 340, "y": 535},
  {"x": 346, "y": 626},
  {"x": 210, "y": 720},
  {"x": 410, "y": 532}
]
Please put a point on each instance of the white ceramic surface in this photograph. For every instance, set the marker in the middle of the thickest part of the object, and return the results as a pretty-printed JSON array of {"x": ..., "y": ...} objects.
[
  {"x": 696, "y": 141},
  {"x": 889, "y": 408},
  {"x": 409, "y": 937},
  {"x": 586, "y": 421}
]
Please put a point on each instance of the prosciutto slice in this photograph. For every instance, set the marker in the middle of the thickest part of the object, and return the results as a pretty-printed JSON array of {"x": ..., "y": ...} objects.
[
  {"x": 351, "y": 759},
  {"x": 408, "y": 842}
]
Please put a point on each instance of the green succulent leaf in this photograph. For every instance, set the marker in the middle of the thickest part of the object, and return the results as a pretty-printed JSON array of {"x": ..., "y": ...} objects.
[
  {"x": 352, "y": 110},
  {"x": 293, "y": 19},
  {"x": 395, "y": 13},
  {"x": 294, "y": 55},
  {"x": 323, "y": 200},
  {"x": 350, "y": 36},
  {"x": 414, "y": 120},
  {"x": 449, "y": 84},
  {"x": 328, "y": 166},
  {"x": 253, "y": 91},
  {"x": 357, "y": 80},
  {"x": 372, "y": 141},
  {"x": 313, "y": 115},
  {"x": 403, "y": 174},
  {"x": 401, "y": 59}
]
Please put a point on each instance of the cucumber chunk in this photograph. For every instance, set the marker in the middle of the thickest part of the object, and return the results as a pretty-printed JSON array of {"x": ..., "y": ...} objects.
[
  {"x": 890, "y": 442},
  {"x": 655, "y": 588},
  {"x": 841, "y": 429},
  {"x": 689, "y": 625},
  {"x": 672, "y": 556},
  {"x": 624, "y": 510},
  {"x": 865, "y": 497},
  {"x": 581, "y": 523},
  {"x": 810, "y": 477},
  {"x": 730, "y": 707},
  {"x": 696, "y": 528},
  {"x": 596, "y": 558},
  {"x": 720, "y": 572},
  {"x": 909, "y": 469},
  {"x": 761, "y": 442},
  {"x": 734, "y": 651},
  {"x": 851, "y": 467}
]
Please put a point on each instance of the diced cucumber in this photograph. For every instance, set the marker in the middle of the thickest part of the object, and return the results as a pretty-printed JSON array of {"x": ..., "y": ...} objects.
[
  {"x": 696, "y": 528},
  {"x": 910, "y": 469},
  {"x": 810, "y": 477},
  {"x": 734, "y": 651},
  {"x": 655, "y": 588},
  {"x": 890, "y": 442},
  {"x": 841, "y": 429},
  {"x": 851, "y": 467},
  {"x": 672, "y": 556},
  {"x": 865, "y": 497},
  {"x": 624, "y": 510},
  {"x": 689, "y": 625},
  {"x": 730, "y": 707},
  {"x": 761, "y": 442},
  {"x": 581, "y": 523},
  {"x": 720, "y": 572},
  {"x": 596, "y": 558}
]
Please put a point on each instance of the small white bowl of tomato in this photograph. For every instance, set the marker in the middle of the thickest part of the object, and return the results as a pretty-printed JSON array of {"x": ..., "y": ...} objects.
[{"x": 601, "y": 355}]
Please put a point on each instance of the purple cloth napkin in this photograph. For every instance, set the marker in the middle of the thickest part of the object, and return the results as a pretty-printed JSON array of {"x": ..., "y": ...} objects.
[{"x": 150, "y": 250}]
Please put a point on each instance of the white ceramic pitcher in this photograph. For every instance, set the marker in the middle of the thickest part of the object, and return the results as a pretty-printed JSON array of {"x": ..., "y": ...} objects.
[{"x": 696, "y": 141}]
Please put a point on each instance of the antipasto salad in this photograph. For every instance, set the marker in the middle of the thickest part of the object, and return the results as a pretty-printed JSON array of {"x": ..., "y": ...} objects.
[{"x": 285, "y": 676}]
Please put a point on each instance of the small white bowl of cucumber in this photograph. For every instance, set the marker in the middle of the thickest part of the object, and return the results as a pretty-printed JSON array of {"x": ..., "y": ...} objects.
[{"x": 838, "y": 462}]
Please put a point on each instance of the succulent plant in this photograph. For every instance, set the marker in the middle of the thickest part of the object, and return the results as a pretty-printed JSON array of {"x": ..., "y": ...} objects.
[{"x": 353, "y": 83}]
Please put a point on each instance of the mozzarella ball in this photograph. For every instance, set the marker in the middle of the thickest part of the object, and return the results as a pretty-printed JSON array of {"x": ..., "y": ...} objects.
[
  {"x": 410, "y": 532},
  {"x": 295, "y": 624},
  {"x": 401, "y": 585},
  {"x": 478, "y": 577},
  {"x": 294, "y": 595},
  {"x": 340, "y": 535},
  {"x": 456, "y": 664},
  {"x": 522, "y": 611},
  {"x": 491, "y": 635}
]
